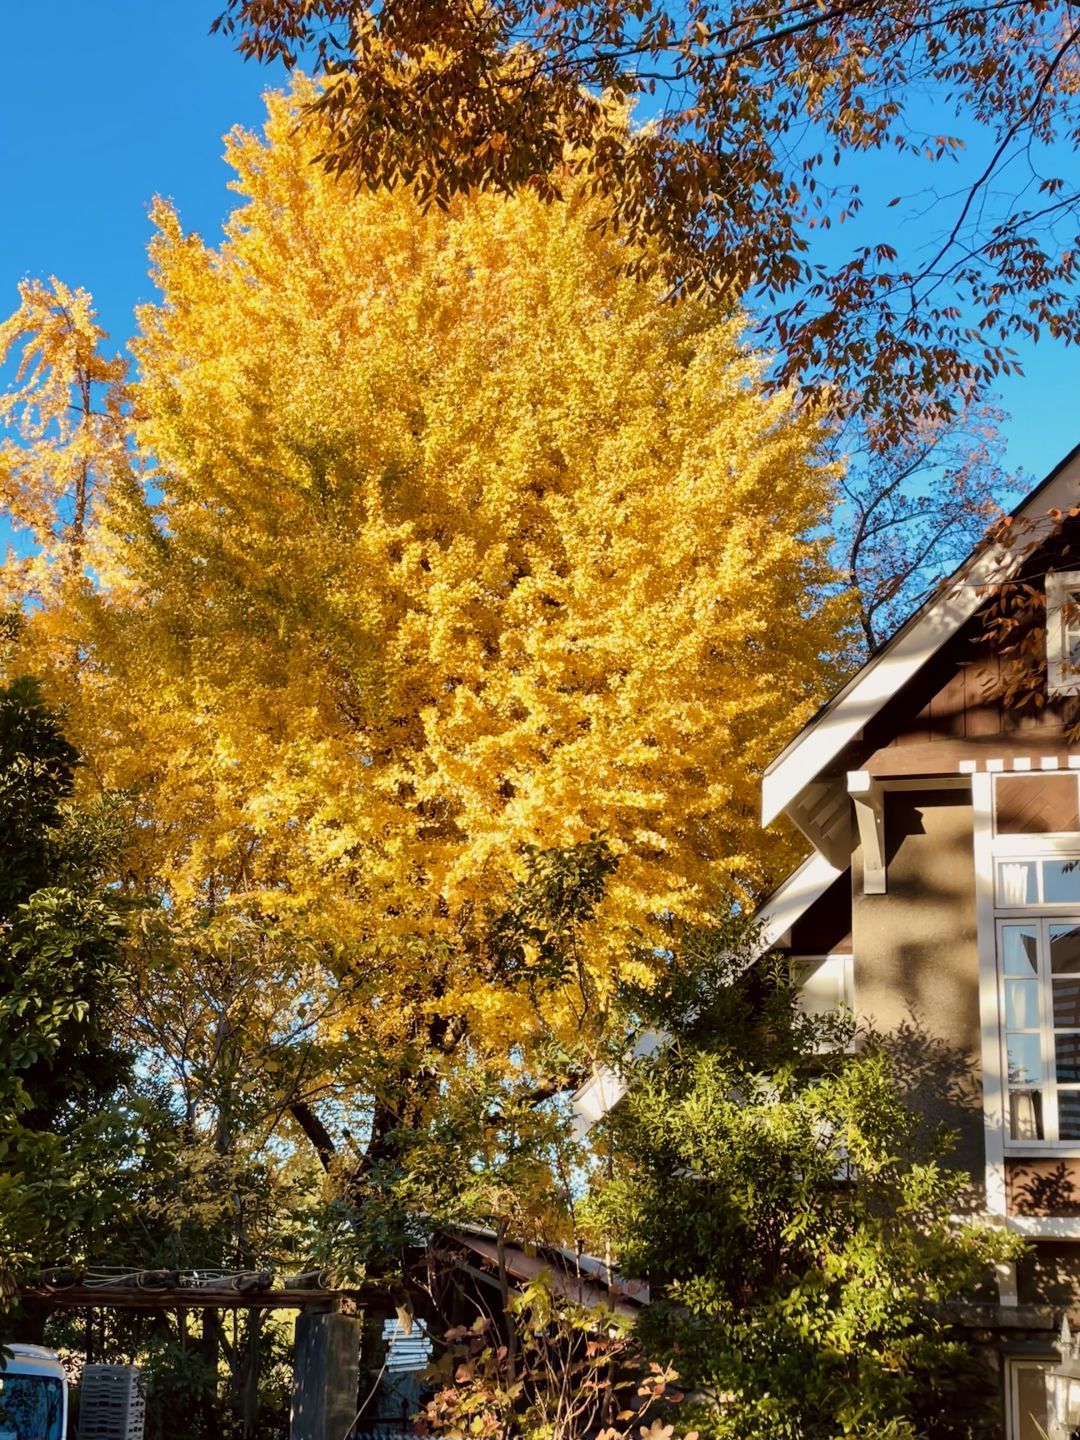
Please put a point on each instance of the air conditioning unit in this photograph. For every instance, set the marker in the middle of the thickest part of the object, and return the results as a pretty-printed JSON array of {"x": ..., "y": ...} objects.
[{"x": 111, "y": 1403}]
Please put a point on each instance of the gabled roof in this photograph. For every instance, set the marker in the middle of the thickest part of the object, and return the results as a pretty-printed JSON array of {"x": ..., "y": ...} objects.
[
  {"x": 787, "y": 779},
  {"x": 791, "y": 782},
  {"x": 790, "y": 900}
]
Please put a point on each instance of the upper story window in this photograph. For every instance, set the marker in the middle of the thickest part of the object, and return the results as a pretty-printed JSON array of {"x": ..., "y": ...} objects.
[
  {"x": 1037, "y": 900},
  {"x": 1063, "y": 632},
  {"x": 1040, "y": 984}
]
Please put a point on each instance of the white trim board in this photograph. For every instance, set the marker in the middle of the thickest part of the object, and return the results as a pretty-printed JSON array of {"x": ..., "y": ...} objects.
[
  {"x": 993, "y": 1087},
  {"x": 792, "y": 898},
  {"x": 1045, "y": 1227},
  {"x": 916, "y": 642}
]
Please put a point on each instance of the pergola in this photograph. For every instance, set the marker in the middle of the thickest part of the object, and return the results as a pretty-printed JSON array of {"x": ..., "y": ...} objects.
[{"x": 326, "y": 1353}]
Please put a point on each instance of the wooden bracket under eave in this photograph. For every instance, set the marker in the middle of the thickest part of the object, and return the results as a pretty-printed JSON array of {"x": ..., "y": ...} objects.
[{"x": 870, "y": 818}]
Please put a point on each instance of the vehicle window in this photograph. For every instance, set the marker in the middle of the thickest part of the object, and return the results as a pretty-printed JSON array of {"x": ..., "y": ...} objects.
[{"x": 31, "y": 1407}]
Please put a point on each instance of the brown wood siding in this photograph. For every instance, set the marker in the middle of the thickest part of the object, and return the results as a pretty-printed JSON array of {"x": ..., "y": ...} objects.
[
  {"x": 1037, "y": 804},
  {"x": 949, "y": 712}
]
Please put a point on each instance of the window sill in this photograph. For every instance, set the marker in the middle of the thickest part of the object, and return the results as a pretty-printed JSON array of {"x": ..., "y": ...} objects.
[{"x": 1042, "y": 1149}]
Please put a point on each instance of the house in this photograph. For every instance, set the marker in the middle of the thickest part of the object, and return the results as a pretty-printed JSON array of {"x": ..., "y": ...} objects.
[{"x": 941, "y": 902}]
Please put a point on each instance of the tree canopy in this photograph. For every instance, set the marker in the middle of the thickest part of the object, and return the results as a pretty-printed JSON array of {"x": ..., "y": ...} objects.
[
  {"x": 447, "y": 546},
  {"x": 802, "y": 1226},
  {"x": 64, "y": 1135},
  {"x": 756, "y": 120},
  {"x": 425, "y": 605}
]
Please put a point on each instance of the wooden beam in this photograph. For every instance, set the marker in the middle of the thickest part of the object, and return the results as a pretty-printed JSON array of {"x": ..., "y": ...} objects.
[
  {"x": 944, "y": 757},
  {"x": 326, "y": 1377},
  {"x": 870, "y": 818},
  {"x": 188, "y": 1297}
]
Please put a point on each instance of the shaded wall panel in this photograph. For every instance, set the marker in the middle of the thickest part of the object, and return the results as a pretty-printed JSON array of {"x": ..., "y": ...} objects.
[
  {"x": 826, "y": 926},
  {"x": 916, "y": 961}
]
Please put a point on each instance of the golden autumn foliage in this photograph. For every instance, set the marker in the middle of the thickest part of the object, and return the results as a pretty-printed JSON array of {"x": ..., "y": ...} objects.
[
  {"x": 448, "y": 540},
  {"x": 762, "y": 125},
  {"x": 65, "y": 432}
]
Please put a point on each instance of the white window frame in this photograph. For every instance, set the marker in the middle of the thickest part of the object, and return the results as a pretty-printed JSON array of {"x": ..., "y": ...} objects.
[
  {"x": 1006, "y": 909},
  {"x": 840, "y": 965},
  {"x": 1062, "y": 677},
  {"x": 1040, "y": 920},
  {"x": 1013, "y": 1365}
]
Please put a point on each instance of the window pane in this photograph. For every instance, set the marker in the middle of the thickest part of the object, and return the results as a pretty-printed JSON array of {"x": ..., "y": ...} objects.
[
  {"x": 1021, "y": 1004},
  {"x": 31, "y": 1407},
  {"x": 821, "y": 987},
  {"x": 1025, "y": 1059},
  {"x": 1070, "y": 626},
  {"x": 1069, "y": 1114},
  {"x": 1019, "y": 950},
  {"x": 1026, "y": 1115},
  {"x": 1029, "y": 1411},
  {"x": 1016, "y": 881},
  {"x": 1067, "y": 1004},
  {"x": 1067, "y": 1059},
  {"x": 1065, "y": 949},
  {"x": 1061, "y": 881}
]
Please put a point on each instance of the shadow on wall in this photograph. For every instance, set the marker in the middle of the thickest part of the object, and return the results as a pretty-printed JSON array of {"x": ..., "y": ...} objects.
[
  {"x": 1044, "y": 1187},
  {"x": 917, "y": 957},
  {"x": 1050, "y": 1275},
  {"x": 941, "y": 1084}
]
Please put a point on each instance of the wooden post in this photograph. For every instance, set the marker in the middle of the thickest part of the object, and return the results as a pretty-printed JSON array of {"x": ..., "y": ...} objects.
[{"x": 326, "y": 1374}]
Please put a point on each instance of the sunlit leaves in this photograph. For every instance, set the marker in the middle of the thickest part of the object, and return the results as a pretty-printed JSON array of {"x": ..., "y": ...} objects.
[
  {"x": 754, "y": 115},
  {"x": 465, "y": 545}
]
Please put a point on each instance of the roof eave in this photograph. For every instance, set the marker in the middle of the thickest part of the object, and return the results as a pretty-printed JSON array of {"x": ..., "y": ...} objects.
[{"x": 839, "y": 722}]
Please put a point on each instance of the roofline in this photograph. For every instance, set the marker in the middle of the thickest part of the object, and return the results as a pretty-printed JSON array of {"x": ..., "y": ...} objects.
[
  {"x": 939, "y": 618},
  {"x": 791, "y": 899}
]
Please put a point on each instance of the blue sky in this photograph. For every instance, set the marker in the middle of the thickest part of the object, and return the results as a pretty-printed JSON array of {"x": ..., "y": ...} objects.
[{"x": 104, "y": 106}]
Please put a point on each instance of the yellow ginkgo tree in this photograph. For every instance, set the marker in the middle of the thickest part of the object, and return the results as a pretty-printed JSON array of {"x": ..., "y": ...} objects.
[{"x": 437, "y": 551}]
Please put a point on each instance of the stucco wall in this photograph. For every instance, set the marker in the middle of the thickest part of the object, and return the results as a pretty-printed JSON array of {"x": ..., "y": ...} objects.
[
  {"x": 916, "y": 962},
  {"x": 1042, "y": 1186}
]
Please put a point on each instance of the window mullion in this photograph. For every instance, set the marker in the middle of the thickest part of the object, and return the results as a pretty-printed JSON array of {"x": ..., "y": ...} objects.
[{"x": 1049, "y": 1054}]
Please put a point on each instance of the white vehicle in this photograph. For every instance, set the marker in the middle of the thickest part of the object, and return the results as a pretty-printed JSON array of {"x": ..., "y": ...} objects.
[{"x": 33, "y": 1395}]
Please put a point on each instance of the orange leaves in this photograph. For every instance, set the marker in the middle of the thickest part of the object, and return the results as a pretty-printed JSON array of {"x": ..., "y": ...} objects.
[{"x": 751, "y": 100}]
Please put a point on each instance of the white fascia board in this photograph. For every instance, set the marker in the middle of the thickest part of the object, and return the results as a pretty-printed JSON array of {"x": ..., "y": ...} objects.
[
  {"x": 605, "y": 1087},
  {"x": 1045, "y": 1227},
  {"x": 596, "y": 1098},
  {"x": 791, "y": 900},
  {"x": 875, "y": 684},
  {"x": 822, "y": 740}
]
